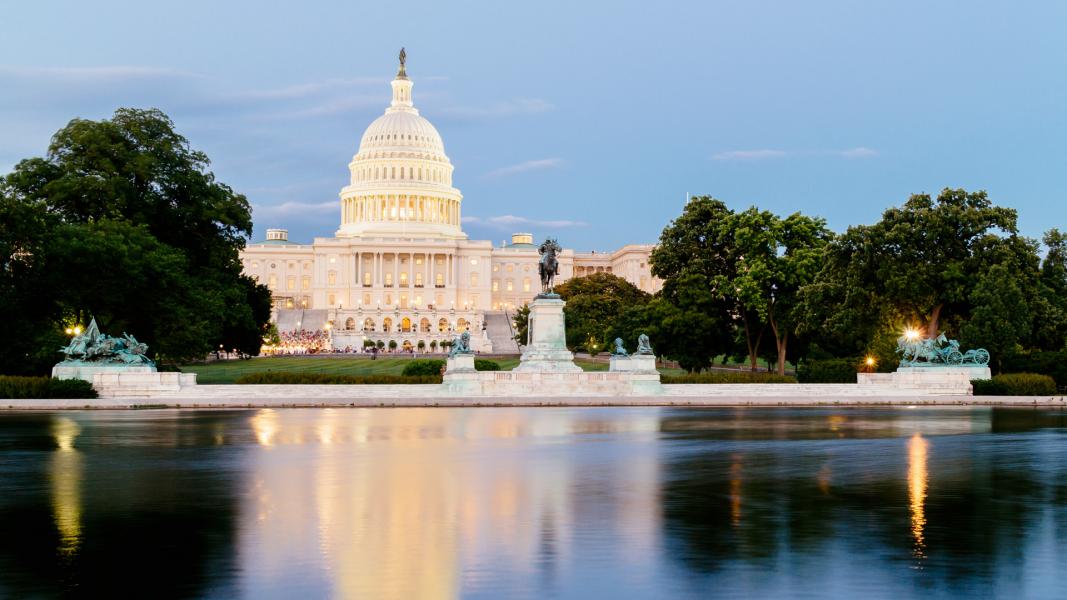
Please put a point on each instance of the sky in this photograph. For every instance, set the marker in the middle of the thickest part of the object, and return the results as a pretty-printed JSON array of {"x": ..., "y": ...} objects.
[{"x": 588, "y": 121}]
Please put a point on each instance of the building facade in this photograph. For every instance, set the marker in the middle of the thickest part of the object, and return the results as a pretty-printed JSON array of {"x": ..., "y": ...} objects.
[{"x": 400, "y": 267}]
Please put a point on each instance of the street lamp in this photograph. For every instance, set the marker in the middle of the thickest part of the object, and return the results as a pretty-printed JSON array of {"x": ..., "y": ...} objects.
[{"x": 912, "y": 334}]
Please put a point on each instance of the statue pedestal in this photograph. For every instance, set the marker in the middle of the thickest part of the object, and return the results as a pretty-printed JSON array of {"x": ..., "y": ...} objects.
[
  {"x": 547, "y": 351},
  {"x": 954, "y": 379},
  {"x": 634, "y": 363},
  {"x": 86, "y": 371},
  {"x": 460, "y": 363}
]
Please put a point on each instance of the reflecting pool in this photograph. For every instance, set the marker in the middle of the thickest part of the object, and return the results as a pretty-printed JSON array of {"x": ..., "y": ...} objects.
[{"x": 534, "y": 503}]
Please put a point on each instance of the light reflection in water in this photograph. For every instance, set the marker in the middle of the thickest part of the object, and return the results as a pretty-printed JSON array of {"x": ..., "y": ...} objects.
[
  {"x": 917, "y": 484},
  {"x": 735, "y": 490},
  {"x": 416, "y": 503},
  {"x": 65, "y": 475}
]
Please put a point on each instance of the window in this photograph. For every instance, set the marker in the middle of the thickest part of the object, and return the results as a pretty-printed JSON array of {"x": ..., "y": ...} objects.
[
  {"x": 366, "y": 299},
  {"x": 305, "y": 283},
  {"x": 255, "y": 264},
  {"x": 332, "y": 277},
  {"x": 404, "y": 278},
  {"x": 474, "y": 261},
  {"x": 526, "y": 284},
  {"x": 290, "y": 283},
  {"x": 496, "y": 285},
  {"x": 511, "y": 268},
  {"x": 368, "y": 324},
  {"x": 510, "y": 285},
  {"x": 288, "y": 303},
  {"x": 367, "y": 279},
  {"x": 418, "y": 279},
  {"x": 439, "y": 281},
  {"x": 331, "y": 299},
  {"x": 388, "y": 299},
  {"x": 418, "y": 261},
  {"x": 333, "y": 259},
  {"x": 496, "y": 268},
  {"x": 389, "y": 280},
  {"x": 474, "y": 280},
  {"x": 273, "y": 281}
]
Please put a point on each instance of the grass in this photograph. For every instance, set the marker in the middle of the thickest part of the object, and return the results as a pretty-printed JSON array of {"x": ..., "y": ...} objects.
[{"x": 227, "y": 371}]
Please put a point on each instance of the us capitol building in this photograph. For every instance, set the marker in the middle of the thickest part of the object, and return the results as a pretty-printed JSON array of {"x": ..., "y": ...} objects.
[{"x": 400, "y": 268}]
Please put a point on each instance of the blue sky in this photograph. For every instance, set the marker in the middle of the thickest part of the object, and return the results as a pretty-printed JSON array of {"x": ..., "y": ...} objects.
[{"x": 587, "y": 120}]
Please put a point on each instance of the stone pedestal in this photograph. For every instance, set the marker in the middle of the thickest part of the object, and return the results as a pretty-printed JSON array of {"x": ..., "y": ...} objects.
[
  {"x": 944, "y": 380},
  {"x": 86, "y": 371},
  {"x": 546, "y": 351},
  {"x": 634, "y": 363},
  {"x": 460, "y": 363}
]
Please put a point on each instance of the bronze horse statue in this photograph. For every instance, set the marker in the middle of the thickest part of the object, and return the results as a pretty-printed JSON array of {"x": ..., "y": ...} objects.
[{"x": 548, "y": 266}]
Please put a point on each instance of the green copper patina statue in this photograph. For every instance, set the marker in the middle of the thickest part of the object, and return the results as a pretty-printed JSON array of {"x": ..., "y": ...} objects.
[
  {"x": 548, "y": 266},
  {"x": 936, "y": 352},
  {"x": 461, "y": 344},
  {"x": 93, "y": 347},
  {"x": 619, "y": 350},
  {"x": 643, "y": 345}
]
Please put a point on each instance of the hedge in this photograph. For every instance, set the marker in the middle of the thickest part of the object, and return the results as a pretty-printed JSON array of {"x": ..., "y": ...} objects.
[
  {"x": 828, "y": 370},
  {"x": 423, "y": 366},
  {"x": 728, "y": 377},
  {"x": 1015, "y": 384},
  {"x": 282, "y": 377},
  {"x": 44, "y": 387},
  {"x": 484, "y": 364},
  {"x": 1053, "y": 364}
]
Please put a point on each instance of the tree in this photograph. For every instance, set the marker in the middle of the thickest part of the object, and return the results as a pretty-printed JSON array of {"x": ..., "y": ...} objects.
[
  {"x": 122, "y": 220},
  {"x": 593, "y": 304},
  {"x": 1000, "y": 318},
  {"x": 1049, "y": 306},
  {"x": 522, "y": 324},
  {"x": 754, "y": 261},
  {"x": 919, "y": 265}
]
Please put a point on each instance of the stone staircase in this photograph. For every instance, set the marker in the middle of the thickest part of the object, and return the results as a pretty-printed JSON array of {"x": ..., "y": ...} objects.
[{"x": 498, "y": 328}]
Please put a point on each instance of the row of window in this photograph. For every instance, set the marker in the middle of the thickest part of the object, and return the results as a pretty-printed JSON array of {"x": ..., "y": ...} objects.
[
  {"x": 403, "y": 173},
  {"x": 406, "y": 325}
]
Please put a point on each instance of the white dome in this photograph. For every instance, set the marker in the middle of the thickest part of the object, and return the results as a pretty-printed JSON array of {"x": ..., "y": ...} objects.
[
  {"x": 400, "y": 131},
  {"x": 401, "y": 178}
]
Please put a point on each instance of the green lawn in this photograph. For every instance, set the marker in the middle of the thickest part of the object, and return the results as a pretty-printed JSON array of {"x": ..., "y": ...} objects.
[{"x": 227, "y": 371}]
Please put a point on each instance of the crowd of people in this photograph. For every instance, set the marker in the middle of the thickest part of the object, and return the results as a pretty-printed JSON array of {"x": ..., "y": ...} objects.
[{"x": 302, "y": 341}]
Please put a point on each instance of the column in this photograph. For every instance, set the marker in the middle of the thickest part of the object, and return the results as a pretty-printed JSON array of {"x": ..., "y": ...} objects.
[
  {"x": 359, "y": 270},
  {"x": 396, "y": 269}
]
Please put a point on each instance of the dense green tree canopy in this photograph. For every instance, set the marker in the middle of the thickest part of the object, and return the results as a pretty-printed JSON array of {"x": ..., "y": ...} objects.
[
  {"x": 919, "y": 265},
  {"x": 593, "y": 303},
  {"x": 123, "y": 221}
]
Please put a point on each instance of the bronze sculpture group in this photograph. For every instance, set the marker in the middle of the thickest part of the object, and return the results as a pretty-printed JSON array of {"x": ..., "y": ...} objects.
[
  {"x": 939, "y": 351},
  {"x": 95, "y": 347}
]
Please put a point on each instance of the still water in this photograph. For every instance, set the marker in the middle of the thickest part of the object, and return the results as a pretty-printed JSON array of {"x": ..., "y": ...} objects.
[{"x": 534, "y": 503}]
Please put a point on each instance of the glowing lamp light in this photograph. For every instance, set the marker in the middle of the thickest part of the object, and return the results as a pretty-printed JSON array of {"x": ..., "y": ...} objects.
[
  {"x": 870, "y": 361},
  {"x": 78, "y": 330},
  {"x": 912, "y": 334},
  {"x": 69, "y": 331}
]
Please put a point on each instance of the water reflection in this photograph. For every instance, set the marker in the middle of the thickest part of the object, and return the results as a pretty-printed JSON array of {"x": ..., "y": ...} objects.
[
  {"x": 65, "y": 473},
  {"x": 426, "y": 503},
  {"x": 917, "y": 481},
  {"x": 530, "y": 503}
]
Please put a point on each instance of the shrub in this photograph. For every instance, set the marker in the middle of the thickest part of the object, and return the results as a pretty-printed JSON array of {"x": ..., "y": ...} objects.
[
  {"x": 728, "y": 377},
  {"x": 1053, "y": 364},
  {"x": 423, "y": 366},
  {"x": 368, "y": 343},
  {"x": 1015, "y": 384},
  {"x": 828, "y": 370},
  {"x": 484, "y": 364},
  {"x": 282, "y": 377},
  {"x": 44, "y": 387}
]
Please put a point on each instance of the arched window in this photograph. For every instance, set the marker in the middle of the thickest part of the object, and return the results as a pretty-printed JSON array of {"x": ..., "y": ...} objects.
[
  {"x": 424, "y": 325},
  {"x": 442, "y": 325},
  {"x": 368, "y": 324},
  {"x": 350, "y": 323},
  {"x": 387, "y": 325},
  {"x": 461, "y": 324},
  {"x": 405, "y": 325}
]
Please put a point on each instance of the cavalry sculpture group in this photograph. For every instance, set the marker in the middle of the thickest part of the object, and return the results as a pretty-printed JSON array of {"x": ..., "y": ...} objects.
[
  {"x": 939, "y": 351},
  {"x": 95, "y": 347}
]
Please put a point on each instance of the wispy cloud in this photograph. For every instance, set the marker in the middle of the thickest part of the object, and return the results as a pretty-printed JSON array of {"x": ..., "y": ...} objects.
[
  {"x": 288, "y": 209},
  {"x": 859, "y": 152},
  {"x": 105, "y": 73},
  {"x": 769, "y": 154},
  {"x": 530, "y": 165},
  {"x": 304, "y": 90},
  {"x": 328, "y": 108},
  {"x": 510, "y": 221},
  {"x": 509, "y": 108},
  {"x": 749, "y": 155}
]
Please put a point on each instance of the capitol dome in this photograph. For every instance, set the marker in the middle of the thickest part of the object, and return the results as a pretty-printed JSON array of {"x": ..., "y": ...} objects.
[{"x": 401, "y": 178}]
